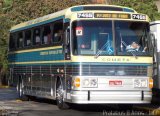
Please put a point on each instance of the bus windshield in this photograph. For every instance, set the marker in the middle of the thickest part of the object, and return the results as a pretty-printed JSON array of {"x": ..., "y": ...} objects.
[
  {"x": 132, "y": 37},
  {"x": 96, "y": 38}
]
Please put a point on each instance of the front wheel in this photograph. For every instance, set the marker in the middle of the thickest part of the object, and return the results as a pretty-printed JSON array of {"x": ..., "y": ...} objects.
[{"x": 60, "y": 96}]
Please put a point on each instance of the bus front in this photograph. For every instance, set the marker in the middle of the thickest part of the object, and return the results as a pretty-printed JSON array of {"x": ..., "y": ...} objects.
[{"x": 111, "y": 54}]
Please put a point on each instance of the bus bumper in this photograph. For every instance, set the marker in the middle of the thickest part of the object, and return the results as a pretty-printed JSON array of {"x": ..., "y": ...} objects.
[{"x": 111, "y": 97}]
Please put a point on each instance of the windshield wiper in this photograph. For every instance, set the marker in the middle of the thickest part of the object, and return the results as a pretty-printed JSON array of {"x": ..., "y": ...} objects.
[
  {"x": 100, "y": 50},
  {"x": 104, "y": 46}
]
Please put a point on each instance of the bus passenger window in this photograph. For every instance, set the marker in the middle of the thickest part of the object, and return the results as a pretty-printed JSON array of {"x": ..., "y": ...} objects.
[
  {"x": 12, "y": 41},
  {"x": 46, "y": 37},
  {"x": 57, "y": 32},
  {"x": 27, "y": 39},
  {"x": 20, "y": 40},
  {"x": 58, "y": 36},
  {"x": 36, "y": 37}
]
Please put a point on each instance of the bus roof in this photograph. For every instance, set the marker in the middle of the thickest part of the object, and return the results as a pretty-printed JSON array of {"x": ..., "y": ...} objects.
[{"x": 63, "y": 14}]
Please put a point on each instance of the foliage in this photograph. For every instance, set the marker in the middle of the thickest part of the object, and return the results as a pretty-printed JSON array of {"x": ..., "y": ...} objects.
[
  {"x": 16, "y": 11},
  {"x": 24, "y": 10},
  {"x": 7, "y": 3},
  {"x": 5, "y": 24},
  {"x": 143, "y": 6}
]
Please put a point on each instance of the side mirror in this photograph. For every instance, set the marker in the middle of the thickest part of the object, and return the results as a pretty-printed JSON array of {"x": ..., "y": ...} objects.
[
  {"x": 153, "y": 39},
  {"x": 66, "y": 48},
  {"x": 67, "y": 36}
]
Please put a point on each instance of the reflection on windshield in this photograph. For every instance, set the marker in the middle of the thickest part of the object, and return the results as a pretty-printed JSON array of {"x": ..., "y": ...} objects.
[
  {"x": 92, "y": 38},
  {"x": 131, "y": 37},
  {"x": 96, "y": 38}
]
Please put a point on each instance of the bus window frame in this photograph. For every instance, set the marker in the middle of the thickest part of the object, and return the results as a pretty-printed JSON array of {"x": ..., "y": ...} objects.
[
  {"x": 43, "y": 26},
  {"x": 15, "y": 41},
  {"x": 41, "y": 45},
  {"x": 19, "y": 48},
  {"x": 40, "y": 33},
  {"x": 25, "y": 46},
  {"x": 59, "y": 43}
]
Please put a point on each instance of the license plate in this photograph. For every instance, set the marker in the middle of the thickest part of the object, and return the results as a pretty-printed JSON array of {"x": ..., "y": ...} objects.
[{"x": 115, "y": 83}]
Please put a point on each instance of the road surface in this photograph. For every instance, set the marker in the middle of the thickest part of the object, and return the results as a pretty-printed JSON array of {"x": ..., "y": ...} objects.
[{"x": 10, "y": 105}]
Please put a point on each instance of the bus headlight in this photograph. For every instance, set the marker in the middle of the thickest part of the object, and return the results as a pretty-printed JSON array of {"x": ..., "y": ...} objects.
[
  {"x": 140, "y": 83},
  {"x": 85, "y": 82},
  {"x": 90, "y": 82}
]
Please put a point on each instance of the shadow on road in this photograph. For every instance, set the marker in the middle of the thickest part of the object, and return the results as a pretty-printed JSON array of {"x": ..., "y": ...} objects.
[{"x": 46, "y": 107}]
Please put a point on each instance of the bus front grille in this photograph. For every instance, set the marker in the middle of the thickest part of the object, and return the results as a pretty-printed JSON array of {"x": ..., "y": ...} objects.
[{"x": 108, "y": 70}]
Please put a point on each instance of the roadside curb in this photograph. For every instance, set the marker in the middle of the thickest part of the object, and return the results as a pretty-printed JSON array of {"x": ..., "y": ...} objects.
[{"x": 1, "y": 87}]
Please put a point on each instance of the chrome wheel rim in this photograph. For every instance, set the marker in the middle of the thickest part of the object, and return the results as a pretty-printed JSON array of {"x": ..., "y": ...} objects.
[{"x": 59, "y": 94}]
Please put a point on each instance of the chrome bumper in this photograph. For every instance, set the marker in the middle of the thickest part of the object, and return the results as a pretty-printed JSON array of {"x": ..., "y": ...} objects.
[{"x": 111, "y": 97}]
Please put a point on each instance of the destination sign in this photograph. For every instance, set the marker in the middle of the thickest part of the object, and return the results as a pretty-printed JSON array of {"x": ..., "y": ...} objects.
[{"x": 112, "y": 15}]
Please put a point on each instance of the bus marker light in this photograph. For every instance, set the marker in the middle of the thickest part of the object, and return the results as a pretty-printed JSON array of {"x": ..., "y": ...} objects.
[
  {"x": 77, "y": 82},
  {"x": 150, "y": 83}
]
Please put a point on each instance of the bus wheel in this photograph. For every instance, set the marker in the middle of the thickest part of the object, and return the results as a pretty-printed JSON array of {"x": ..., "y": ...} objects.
[
  {"x": 60, "y": 96},
  {"x": 21, "y": 94}
]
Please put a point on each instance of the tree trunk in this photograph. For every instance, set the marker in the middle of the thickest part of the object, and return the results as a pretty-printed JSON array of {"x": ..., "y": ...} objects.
[
  {"x": 0, "y": 77},
  {"x": 3, "y": 80}
]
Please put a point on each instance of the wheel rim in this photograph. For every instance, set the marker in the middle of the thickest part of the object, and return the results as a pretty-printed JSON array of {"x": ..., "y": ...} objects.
[
  {"x": 20, "y": 90},
  {"x": 59, "y": 94}
]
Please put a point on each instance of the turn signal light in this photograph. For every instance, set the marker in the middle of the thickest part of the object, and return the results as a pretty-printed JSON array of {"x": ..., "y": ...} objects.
[
  {"x": 77, "y": 82},
  {"x": 150, "y": 83}
]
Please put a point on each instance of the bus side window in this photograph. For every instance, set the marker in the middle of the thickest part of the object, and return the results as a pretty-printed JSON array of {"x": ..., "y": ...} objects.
[
  {"x": 12, "y": 41},
  {"x": 46, "y": 36},
  {"x": 36, "y": 36},
  {"x": 27, "y": 39},
  {"x": 20, "y": 40},
  {"x": 58, "y": 32}
]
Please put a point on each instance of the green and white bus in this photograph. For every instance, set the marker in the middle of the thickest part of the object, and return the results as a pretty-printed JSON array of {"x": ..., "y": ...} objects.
[{"x": 86, "y": 54}]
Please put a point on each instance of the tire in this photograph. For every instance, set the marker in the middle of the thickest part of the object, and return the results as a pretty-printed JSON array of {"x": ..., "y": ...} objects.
[
  {"x": 60, "y": 96},
  {"x": 21, "y": 93}
]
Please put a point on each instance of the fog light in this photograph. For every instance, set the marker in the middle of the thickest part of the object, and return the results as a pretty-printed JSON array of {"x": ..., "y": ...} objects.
[
  {"x": 93, "y": 82},
  {"x": 89, "y": 82},
  {"x": 85, "y": 82},
  {"x": 140, "y": 83}
]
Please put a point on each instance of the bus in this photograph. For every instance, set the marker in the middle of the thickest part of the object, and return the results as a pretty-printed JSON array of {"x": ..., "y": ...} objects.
[
  {"x": 155, "y": 32},
  {"x": 86, "y": 54}
]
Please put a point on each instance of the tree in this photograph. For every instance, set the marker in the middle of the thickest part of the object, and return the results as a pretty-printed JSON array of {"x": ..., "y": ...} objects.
[
  {"x": 24, "y": 10},
  {"x": 142, "y": 6},
  {"x": 16, "y": 11},
  {"x": 4, "y": 27}
]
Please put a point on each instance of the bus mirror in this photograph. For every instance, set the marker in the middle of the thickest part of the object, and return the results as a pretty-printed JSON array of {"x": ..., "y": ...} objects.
[
  {"x": 153, "y": 40},
  {"x": 67, "y": 36}
]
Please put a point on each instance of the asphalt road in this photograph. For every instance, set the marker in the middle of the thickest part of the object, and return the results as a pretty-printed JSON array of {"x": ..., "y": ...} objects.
[{"x": 10, "y": 105}]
